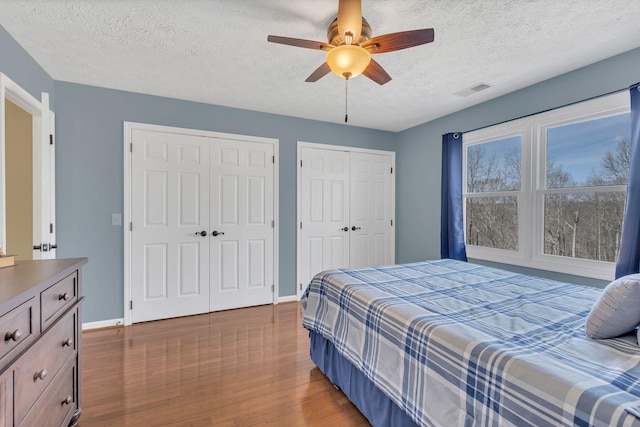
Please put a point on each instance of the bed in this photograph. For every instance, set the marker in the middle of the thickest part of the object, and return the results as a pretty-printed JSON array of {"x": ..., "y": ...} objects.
[{"x": 450, "y": 343}]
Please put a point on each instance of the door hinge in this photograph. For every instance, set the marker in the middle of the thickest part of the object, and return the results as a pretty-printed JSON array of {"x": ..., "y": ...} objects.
[
  {"x": 273, "y": 288},
  {"x": 300, "y": 163},
  {"x": 300, "y": 286},
  {"x": 300, "y": 225},
  {"x": 131, "y": 147},
  {"x": 273, "y": 159},
  {"x": 130, "y": 304},
  {"x": 273, "y": 223},
  {"x": 131, "y": 226},
  {"x": 50, "y": 139},
  {"x": 50, "y": 228},
  {"x": 392, "y": 223},
  {"x": 391, "y": 170}
]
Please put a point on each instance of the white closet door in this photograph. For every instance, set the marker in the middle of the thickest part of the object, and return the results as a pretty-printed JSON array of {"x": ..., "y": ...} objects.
[
  {"x": 170, "y": 193},
  {"x": 242, "y": 214},
  {"x": 324, "y": 193},
  {"x": 371, "y": 210}
]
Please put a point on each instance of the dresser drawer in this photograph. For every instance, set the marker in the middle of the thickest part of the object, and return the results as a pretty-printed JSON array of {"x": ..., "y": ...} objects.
[
  {"x": 57, "y": 298},
  {"x": 35, "y": 370},
  {"x": 57, "y": 404},
  {"x": 17, "y": 327}
]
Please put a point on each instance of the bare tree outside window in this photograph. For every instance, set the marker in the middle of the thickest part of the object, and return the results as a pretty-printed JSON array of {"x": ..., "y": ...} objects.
[
  {"x": 548, "y": 191},
  {"x": 578, "y": 222},
  {"x": 493, "y": 169},
  {"x": 587, "y": 225}
]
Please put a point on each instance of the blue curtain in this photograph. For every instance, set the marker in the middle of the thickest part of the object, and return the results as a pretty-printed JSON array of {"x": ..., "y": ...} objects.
[
  {"x": 629, "y": 256},
  {"x": 451, "y": 221}
]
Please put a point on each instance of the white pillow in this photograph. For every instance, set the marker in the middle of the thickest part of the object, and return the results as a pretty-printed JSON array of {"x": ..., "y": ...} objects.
[{"x": 617, "y": 311}]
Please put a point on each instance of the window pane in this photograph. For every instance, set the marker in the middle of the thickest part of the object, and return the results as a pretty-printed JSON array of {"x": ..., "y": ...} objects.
[
  {"x": 583, "y": 225},
  {"x": 592, "y": 153},
  {"x": 492, "y": 222},
  {"x": 494, "y": 166}
]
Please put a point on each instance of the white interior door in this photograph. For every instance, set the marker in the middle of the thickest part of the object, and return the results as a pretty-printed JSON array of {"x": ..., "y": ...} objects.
[
  {"x": 371, "y": 210},
  {"x": 44, "y": 241},
  {"x": 345, "y": 209},
  {"x": 242, "y": 224},
  {"x": 203, "y": 223},
  {"x": 169, "y": 256},
  {"x": 324, "y": 211}
]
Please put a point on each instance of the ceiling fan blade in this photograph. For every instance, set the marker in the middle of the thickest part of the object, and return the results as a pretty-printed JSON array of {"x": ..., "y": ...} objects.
[
  {"x": 309, "y": 44},
  {"x": 320, "y": 72},
  {"x": 350, "y": 19},
  {"x": 397, "y": 41},
  {"x": 376, "y": 73}
]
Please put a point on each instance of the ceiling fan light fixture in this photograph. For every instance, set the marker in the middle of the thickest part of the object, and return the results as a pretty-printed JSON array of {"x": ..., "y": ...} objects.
[{"x": 349, "y": 60}]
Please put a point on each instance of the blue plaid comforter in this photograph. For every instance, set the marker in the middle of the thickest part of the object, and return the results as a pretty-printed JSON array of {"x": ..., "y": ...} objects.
[{"x": 458, "y": 344}]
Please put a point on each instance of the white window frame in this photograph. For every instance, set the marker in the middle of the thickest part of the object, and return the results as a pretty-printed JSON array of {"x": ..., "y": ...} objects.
[{"x": 532, "y": 130}]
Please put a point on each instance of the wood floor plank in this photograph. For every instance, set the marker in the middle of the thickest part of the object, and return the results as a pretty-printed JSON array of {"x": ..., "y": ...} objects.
[{"x": 245, "y": 367}]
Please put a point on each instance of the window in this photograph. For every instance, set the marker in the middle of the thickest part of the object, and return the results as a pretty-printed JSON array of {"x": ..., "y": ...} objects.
[
  {"x": 493, "y": 188},
  {"x": 548, "y": 191}
]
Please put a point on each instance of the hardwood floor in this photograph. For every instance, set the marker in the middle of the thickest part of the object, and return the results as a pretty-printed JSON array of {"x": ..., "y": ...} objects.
[{"x": 245, "y": 367}]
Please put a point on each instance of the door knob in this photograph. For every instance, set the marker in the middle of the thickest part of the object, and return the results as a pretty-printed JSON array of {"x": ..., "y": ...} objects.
[
  {"x": 354, "y": 228},
  {"x": 201, "y": 233},
  {"x": 344, "y": 229},
  {"x": 215, "y": 233}
]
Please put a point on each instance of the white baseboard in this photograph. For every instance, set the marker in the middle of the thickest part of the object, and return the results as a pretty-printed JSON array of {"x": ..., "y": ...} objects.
[
  {"x": 120, "y": 322},
  {"x": 288, "y": 298},
  {"x": 102, "y": 324}
]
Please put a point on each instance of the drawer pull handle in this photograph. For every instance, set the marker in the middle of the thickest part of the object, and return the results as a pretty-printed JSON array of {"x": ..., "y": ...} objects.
[
  {"x": 40, "y": 375},
  {"x": 67, "y": 400},
  {"x": 67, "y": 343},
  {"x": 65, "y": 296},
  {"x": 15, "y": 335}
]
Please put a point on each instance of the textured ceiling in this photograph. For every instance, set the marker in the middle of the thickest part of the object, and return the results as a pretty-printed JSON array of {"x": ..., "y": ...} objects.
[{"x": 216, "y": 51}]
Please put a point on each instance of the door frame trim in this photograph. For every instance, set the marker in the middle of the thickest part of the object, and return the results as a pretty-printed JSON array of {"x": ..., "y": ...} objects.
[
  {"x": 43, "y": 162},
  {"x": 129, "y": 127},
  {"x": 300, "y": 287}
]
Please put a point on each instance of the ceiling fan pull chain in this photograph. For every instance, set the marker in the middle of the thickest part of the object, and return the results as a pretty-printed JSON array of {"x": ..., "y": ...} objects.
[{"x": 346, "y": 96}]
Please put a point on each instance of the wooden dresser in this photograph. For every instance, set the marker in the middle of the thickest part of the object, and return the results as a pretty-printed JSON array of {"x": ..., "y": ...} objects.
[{"x": 40, "y": 350}]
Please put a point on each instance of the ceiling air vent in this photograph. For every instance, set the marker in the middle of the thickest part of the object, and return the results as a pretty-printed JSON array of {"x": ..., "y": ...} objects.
[{"x": 473, "y": 89}]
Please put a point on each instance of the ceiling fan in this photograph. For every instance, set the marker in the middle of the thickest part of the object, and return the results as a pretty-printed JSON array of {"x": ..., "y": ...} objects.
[{"x": 350, "y": 45}]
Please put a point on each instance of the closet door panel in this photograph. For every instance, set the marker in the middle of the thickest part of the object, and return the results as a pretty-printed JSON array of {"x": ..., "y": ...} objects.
[
  {"x": 170, "y": 193},
  {"x": 324, "y": 204},
  {"x": 371, "y": 210},
  {"x": 242, "y": 228}
]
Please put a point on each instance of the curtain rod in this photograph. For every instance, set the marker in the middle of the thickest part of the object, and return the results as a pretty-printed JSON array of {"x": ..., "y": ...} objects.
[{"x": 554, "y": 108}]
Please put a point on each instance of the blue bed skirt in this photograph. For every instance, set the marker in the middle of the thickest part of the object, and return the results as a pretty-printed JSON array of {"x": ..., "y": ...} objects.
[{"x": 372, "y": 403}]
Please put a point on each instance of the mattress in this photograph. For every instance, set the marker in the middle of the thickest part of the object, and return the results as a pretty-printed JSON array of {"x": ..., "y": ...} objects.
[{"x": 457, "y": 344}]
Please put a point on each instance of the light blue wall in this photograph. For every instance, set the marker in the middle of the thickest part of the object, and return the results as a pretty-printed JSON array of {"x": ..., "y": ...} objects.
[
  {"x": 418, "y": 154},
  {"x": 20, "y": 67},
  {"x": 89, "y": 160},
  {"x": 89, "y": 176}
]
